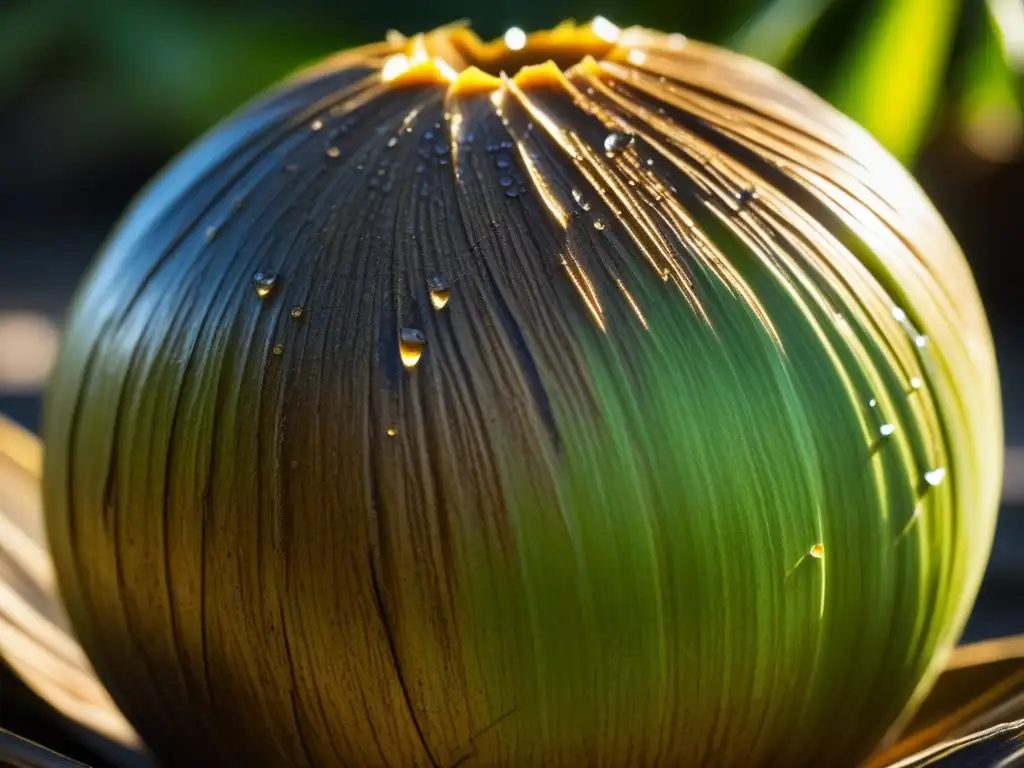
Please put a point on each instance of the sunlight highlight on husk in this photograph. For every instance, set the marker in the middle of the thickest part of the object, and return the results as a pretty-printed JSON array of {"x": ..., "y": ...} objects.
[{"x": 610, "y": 493}]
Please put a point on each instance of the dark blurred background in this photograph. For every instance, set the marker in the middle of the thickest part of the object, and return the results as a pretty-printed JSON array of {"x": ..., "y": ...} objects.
[{"x": 97, "y": 95}]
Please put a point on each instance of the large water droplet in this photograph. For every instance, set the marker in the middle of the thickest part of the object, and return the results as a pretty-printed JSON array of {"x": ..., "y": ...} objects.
[
  {"x": 505, "y": 181},
  {"x": 598, "y": 225},
  {"x": 746, "y": 197},
  {"x": 316, "y": 125},
  {"x": 297, "y": 312},
  {"x": 410, "y": 345},
  {"x": 887, "y": 429},
  {"x": 439, "y": 292},
  {"x": 333, "y": 152},
  {"x": 392, "y": 142},
  {"x": 915, "y": 383},
  {"x": 392, "y": 431},
  {"x": 935, "y": 476},
  {"x": 264, "y": 283},
  {"x": 278, "y": 349},
  {"x": 617, "y": 142},
  {"x": 817, "y": 551},
  {"x": 210, "y": 234}
]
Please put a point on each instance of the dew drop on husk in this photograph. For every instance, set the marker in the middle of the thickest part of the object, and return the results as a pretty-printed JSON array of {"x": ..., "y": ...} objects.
[
  {"x": 617, "y": 142},
  {"x": 392, "y": 431},
  {"x": 264, "y": 282},
  {"x": 746, "y": 197},
  {"x": 316, "y": 125},
  {"x": 297, "y": 312},
  {"x": 599, "y": 225},
  {"x": 817, "y": 551},
  {"x": 410, "y": 346},
  {"x": 333, "y": 152},
  {"x": 578, "y": 197},
  {"x": 278, "y": 349},
  {"x": 440, "y": 292},
  {"x": 935, "y": 476},
  {"x": 886, "y": 430}
]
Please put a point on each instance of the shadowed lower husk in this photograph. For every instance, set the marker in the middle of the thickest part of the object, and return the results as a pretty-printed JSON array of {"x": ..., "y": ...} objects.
[
  {"x": 981, "y": 687},
  {"x": 640, "y": 414}
]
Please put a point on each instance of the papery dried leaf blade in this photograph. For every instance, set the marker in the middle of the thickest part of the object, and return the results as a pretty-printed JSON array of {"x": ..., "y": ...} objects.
[
  {"x": 982, "y": 686},
  {"x": 35, "y": 640},
  {"x": 18, "y": 752},
  {"x": 1000, "y": 746}
]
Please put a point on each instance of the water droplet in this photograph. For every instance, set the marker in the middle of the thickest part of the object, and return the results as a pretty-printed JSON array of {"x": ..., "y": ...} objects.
[
  {"x": 297, "y": 312},
  {"x": 650, "y": 162},
  {"x": 264, "y": 282},
  {"x": 439, "y": 292},
  {"x": 515, "y": 39},
  {"x": 899, "y": 315},
  {"x": 410, "y": 346},
  {"x": 278, "y": 349},
  {"x": 887, "y": 429},
  {"x": 239, "y": 203},
  {"x": 505, "y": 181},
  {"x": 316, "y": 125},
  {"x": 428, "y": 135},
  {"x": 915, "y": 383},
  {"x": 513, "y": 192},
  {"x": 921, "y": 341},
  {"x": 817, "y": 551},
  {"x": 665, "y": 274},
  {"x": 935, "y": 476},
  {"x": 211, "y": 232},
  {"x": 441, "y": 149},
  {"x": 392, "y": 431},
  {"x": 598, "y": 225},
  {"x": 872, "y": 403},
  {"x": 617, "y": 142},
  {"x": 503, "y": 161},
  {"x": 291, "y": 168},
  {"x": 746, "y": 197},
  {"x": 333, "y": 152},
  {"x": 392, "y": 142}
]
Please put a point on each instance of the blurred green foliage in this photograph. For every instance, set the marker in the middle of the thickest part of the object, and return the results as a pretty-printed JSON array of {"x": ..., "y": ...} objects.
[{"x": 168, "y": 69}]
